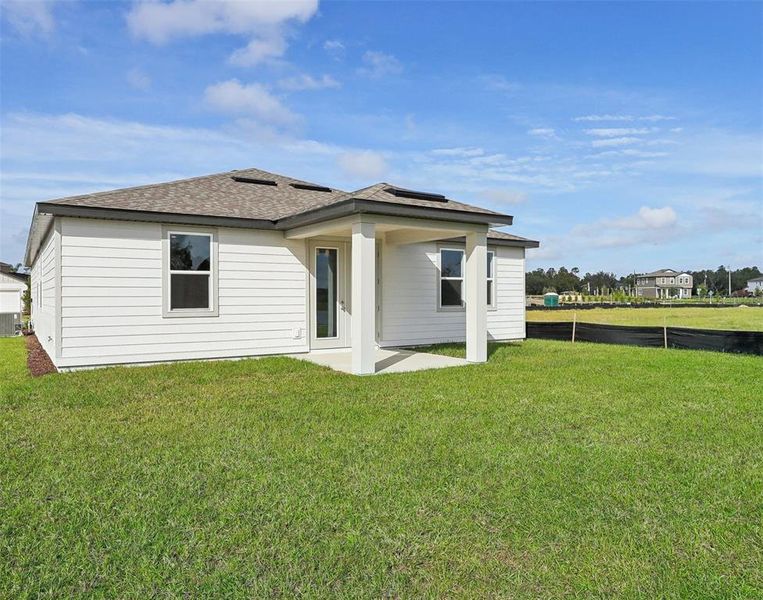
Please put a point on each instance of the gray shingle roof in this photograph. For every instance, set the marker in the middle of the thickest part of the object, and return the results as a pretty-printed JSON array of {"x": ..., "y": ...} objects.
[
  {"x": 378, "y": 193},
  {"x": 663, "y": 273},
  {"x": 219, "y": 195},
  {"x": 222, "y": 200},
  {"x": 508, "y": 237}
]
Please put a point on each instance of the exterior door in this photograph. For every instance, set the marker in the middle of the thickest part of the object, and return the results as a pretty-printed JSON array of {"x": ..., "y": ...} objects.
[{"x": 329, "y": 295}]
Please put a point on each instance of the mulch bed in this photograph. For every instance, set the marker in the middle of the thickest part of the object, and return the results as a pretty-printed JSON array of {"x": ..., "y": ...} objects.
[{"x": 37, "y": 359}]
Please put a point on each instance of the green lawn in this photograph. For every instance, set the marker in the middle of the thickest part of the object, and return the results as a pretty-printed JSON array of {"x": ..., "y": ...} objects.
[
  {"x": 552, "y": 471},
  {"x": 748, "y": 318}
]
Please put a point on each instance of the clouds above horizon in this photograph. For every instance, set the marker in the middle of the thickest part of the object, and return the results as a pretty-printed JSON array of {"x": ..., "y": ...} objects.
[
  {"x": 377, "y": 64},
  {"x": 263, "y": 21},
  {"x": 253, "y": 99},
  {"x": 30, "y": 17},
  {"x": 585, "y": 159}
]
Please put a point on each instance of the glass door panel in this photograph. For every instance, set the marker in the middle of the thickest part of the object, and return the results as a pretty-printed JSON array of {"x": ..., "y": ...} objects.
[{"x": 326, "y": 293}]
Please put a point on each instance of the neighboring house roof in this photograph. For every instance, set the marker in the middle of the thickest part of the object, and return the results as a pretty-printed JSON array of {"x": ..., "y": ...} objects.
[
  {"x": 252, "y": 198},
  {"x": 664, "y": 273},
  {"x": 5, "y": 269},
  {"x": 755, "y": 280}
]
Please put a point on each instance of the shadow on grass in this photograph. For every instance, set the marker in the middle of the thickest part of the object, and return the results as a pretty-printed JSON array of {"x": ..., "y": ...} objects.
[{"x": 458, "y": 350}]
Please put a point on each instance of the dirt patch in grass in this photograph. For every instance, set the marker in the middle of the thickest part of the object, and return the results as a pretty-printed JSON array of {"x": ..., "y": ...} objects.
[{"x": 37, "y": 359}]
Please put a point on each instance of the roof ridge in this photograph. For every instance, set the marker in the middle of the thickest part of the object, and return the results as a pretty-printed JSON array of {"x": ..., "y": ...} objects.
[{"x": 147, "y": 186}]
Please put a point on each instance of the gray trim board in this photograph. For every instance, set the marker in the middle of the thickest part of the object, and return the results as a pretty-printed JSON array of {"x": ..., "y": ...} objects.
[
  {"x": 353, "y": 206},
  {"x": 63, "y": 210},
  {"x": 499, "y": 242}
]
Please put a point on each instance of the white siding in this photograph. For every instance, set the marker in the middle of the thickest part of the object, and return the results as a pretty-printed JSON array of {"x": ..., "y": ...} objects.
[
  {"x": 43, "y": 282},
  {"x": 409, "y": 297},
  {"x": 112, "y": 296},
  {"x": 11, "y": 290}
]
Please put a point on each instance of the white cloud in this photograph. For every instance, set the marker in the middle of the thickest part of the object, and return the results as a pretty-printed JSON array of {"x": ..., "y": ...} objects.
[
  {"x": 259, "y": 50},
  {"x": 605, "y": 118},
  {"x": 307, "y": 82},
  {"x": 379, "y": 64},
  {"x": 138, "y": 79},
  {"x": 547, "y": 133},
  {"x": 335, "y": 49},
  {"x": 261, "y": 20},
  {"x": 719, "y": 153},
  {"x": 29, "y": 16},
  {"x": 645, "y": 227},
  {"x": 504, "y": 197},
  {"x": 648, "y": 218},
  {"x": 650, "y": 118},
  {"x": 460, "y": 152},
  {"x": 632, "y": 152},
  {"x": 252, "y": 99},
  {"x": 617, "y": 131},
  {"x": 499, "y": 83},
  {"x": 363, "y": 164},
  {"x": 655, "y": 118},
  {"x": 621, "y": 141}
]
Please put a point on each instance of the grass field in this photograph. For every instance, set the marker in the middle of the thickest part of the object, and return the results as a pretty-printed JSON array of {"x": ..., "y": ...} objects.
[
  {"x": 749, "y": 318},
  {"x": 552, "y": 471}
]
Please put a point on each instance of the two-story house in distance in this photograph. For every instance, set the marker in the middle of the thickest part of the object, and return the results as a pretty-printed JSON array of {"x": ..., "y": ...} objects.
[{"x": 665, "y": 283}]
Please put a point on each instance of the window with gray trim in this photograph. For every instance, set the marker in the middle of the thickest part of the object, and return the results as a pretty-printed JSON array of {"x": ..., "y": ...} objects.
[{"x": 190, "y": 271}]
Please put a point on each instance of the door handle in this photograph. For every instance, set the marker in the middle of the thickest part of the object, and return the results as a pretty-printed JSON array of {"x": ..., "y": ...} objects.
[{"x": 341, "y": 305}]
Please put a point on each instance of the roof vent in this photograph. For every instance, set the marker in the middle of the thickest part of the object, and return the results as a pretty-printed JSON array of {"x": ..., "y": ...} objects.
[
  {"x": 253, "y": 180},
  {"x": 401, "y": 193},
  {"x": 312, "y": 188}
]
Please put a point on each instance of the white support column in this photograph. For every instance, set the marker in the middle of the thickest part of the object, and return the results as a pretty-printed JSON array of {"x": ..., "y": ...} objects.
[
  {"x": 476, "y": 297},
  {"x": 363, "y": 298}
]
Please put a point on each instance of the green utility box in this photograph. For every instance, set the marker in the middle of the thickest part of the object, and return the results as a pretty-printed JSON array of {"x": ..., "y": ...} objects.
[{"x": 551, "y": 299}]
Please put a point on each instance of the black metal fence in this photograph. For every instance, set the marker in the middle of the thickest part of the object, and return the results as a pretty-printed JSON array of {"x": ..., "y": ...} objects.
[
  {"x": 742, "y": 342},
  {"x": 640, "y": 305}
]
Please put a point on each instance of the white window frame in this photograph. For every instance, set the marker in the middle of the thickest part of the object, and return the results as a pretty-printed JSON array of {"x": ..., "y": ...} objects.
[
  {"x": 440, "y": 278},
  {"x": 213, "y": 310},
  {"x": 491, "y": 305}
]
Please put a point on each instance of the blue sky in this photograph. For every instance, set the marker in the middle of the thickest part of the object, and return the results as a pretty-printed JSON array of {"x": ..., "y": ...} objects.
[{"x": 622, "y": 136}]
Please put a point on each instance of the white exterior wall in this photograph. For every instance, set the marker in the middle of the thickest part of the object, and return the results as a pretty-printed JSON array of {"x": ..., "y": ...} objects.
[
  {"x": 111, "y": 299},
  {"x": 112, "y": 296},
  {"x": 410, "y": 280},
  {"x": 44, "y": 282},
  {"x": 11, "y": 290}
]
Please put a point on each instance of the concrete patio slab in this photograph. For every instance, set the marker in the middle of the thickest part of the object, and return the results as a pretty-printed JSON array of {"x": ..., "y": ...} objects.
[{"x": 388, "y": 360}]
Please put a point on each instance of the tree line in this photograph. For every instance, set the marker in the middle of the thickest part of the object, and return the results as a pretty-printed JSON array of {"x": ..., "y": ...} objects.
[{"x": 563, "y": 279}]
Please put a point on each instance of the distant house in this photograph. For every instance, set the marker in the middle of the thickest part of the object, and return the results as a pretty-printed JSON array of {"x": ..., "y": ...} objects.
[
  {"x": 665, "y": 283},
  {"x": 12, "y": 286},
  {"x": 753, "y": 285}
]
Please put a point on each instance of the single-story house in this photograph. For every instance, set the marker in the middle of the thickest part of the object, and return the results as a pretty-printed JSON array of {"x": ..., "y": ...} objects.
[{"x": 248, "y": 263}]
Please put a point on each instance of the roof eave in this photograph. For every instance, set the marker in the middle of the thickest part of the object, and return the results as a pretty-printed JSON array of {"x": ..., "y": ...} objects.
[
  {"x": 502, "y": 242},
  {"x": 352, "y": 206},
  {"x": 121, "y": 214},
  {"x": 343, "y": 208}
]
